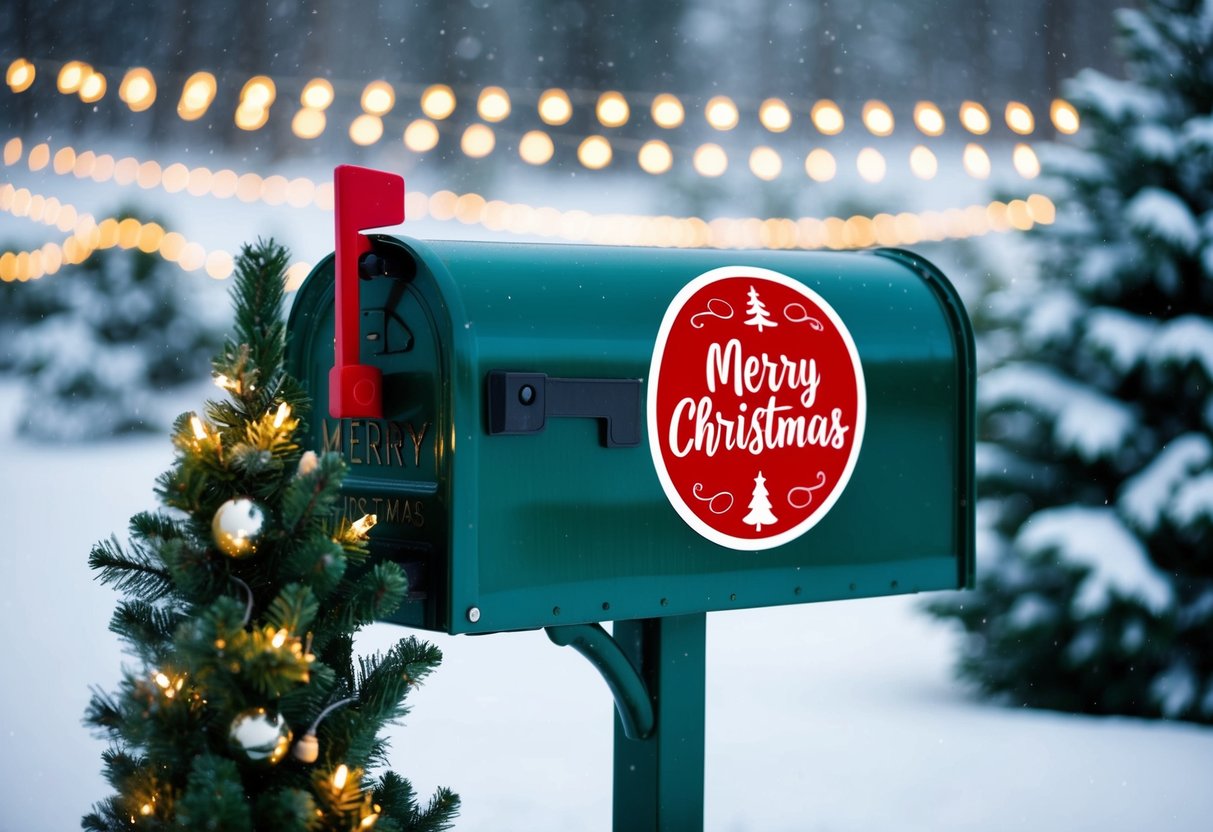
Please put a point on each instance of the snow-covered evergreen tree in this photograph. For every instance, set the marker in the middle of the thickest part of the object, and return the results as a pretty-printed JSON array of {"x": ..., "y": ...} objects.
[
  {"x": 115, "y": 333},
  {"x": 1096, "y": 468}
]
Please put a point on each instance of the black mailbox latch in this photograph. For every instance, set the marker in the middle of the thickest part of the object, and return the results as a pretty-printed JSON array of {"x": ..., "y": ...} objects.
[{"x": 522, "y": 403}]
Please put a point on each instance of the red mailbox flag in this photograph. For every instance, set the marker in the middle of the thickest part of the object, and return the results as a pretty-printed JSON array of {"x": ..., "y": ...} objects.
[{"x": 363, "y": 199}]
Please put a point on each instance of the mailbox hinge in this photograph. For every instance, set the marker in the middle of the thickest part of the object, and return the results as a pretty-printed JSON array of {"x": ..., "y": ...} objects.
[{"x": 522, "y": 402}]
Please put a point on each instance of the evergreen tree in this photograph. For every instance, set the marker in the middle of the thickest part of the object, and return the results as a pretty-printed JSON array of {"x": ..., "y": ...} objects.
[
  {"x": 102, "y": 342},
  {"x": 1096, "y": 476},
  {"x": 249, "y": 709}
]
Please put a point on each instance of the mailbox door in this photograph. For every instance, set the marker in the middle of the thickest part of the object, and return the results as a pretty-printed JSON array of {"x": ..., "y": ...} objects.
[{"x": 399, "y": 466}]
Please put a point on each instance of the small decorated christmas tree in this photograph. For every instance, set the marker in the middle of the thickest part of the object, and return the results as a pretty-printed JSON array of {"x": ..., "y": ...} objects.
[{"x": 249, "y": 709}]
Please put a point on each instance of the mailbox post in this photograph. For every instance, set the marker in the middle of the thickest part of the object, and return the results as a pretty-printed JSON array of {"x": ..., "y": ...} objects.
[{"x": 558, "y": 436}]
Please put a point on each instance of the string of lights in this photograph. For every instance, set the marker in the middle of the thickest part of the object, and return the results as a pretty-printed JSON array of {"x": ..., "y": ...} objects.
[
  {"x": 88, "y": 236},
  {"x": 858, "y": 231},
  {"x": 534, "y": 147},
  {"x": 554, "y": 107}
]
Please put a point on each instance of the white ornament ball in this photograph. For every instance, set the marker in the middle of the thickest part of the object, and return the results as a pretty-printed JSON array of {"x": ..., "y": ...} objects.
[
  {"x": 259, "y": 737},
  {"x": 238, "y": 527}
]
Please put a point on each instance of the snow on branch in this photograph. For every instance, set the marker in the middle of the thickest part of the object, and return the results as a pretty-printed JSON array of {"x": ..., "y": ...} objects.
[
  {"x": 1155, "y": 143},
  {"x": 1095, "y": 538},
  {"x": 1187, "y": 339},
  {"x": 1120, "y": 335},
  {"x": 1116, "y": 101},
  {"x": 1145, "y": 497},
  {"x": 1198, "y": 134},
  {"x": 1052, "y": 318},
  {"x": 1164, "y": 216},
  {"x": 1089, "y": 423}
]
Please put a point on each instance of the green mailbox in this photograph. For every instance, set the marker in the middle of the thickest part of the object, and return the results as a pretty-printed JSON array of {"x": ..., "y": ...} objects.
[
  {"x": 557, "y": 436},
  {"x": 516, "y": 467}
]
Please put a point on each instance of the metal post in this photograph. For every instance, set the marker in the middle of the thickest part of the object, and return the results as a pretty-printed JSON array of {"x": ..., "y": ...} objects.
[{"x": 659, "y": 779}]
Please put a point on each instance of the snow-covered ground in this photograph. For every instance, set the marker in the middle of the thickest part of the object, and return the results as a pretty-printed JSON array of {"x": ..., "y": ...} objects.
[{"x": 823, "y": 717}]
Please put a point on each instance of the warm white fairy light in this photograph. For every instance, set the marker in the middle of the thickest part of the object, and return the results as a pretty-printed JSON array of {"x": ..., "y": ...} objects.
[
  {"x": 928, "y": 118},
  {"x": 655, "y": 157},
  {"x": 820, "y": 165},
  {"x": 493, "y": 104},
  {"x": 92, "y": 88},
  {"x": 536, "y": 147},
  {"x": 283, "y": 413},
  {"x": 974, "y": 118},
  {"x": 308, "y": 123},
  {"x": 871, "y": 165},
  {"x": 667, "y": 111},
  {"x": 775, "y": 115},
  {"x": 827, "y": 117},
  {"x": 279, "y": 638},
  {"x": 1019, "y": 118},
  {"x": 421, "y": 136},
  {"x": 258, "y": 91},
  {"x": 612, "y": 109},
  {"x": 923, "y": 163},
  {"x": 976, "y": 161},
  {"x": 595, "y": 152},
  {"x": 478, "y": 141},
  {"x": 199, "y": 428},
  {"x": 878, "y": 118},
  {"x": 765, "y": 163},
  {"x": 20, "y": 75},
  {"x": 366, "y": 129},
  {"x": 196, "y": 96},
  {"x": 555, "y": 108},
  {"x": 72, "y": 75},
  {"x": 340, "y": 776},
  {"x": 317, "y": 94},
  {"x": 438, "y": 101},
  {"x": 378, "y": 98},
  {"x": 1064, "y": 116},
  {"x": 721, "y": 113},
  {"x": 1026, "y": 163},
  {"x": 138, "y": 89},
  {"x": 364, "y": 524},
  {"x": 710, "y": 160}
]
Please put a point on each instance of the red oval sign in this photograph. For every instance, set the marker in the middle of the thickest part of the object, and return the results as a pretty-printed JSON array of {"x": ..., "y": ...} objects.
[{"x": 756, "y": 407}]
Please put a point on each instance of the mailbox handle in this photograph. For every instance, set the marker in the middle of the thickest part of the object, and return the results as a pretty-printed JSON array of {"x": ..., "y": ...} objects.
[
  {"x": 522, "y": 402},
  {"x": 363, "y": 198}
]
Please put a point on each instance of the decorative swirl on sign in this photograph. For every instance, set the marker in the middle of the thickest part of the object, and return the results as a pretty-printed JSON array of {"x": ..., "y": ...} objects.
[
  {"x": 805, "y": 317},
  {"x": 808, "y": 491},
  {"x": 713, "y": 313},
  {"x": 711, "y": 501}
]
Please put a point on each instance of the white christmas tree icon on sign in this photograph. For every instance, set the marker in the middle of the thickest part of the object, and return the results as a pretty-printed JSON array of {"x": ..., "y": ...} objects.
[
  {"x": 758, "y": 312},
  {"x": 760, "y": 507}
]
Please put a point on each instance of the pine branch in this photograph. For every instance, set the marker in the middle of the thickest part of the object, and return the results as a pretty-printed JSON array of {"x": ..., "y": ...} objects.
[
  {"x": 309, "y": 497},
  {"x": 136, "y": 573},
  {"x": 294, "y": 609},
  {"x": 103, "y": 713},
  {"x": 214, "y": 798},
  {"x": 439, "y": 813},
  {"x": 146, "y": 628}
]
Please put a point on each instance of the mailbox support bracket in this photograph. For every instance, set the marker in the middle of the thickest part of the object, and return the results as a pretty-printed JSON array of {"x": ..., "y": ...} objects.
[
  {"x": 631, "y": 696},
  {"x": 658, "y": 784}
]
